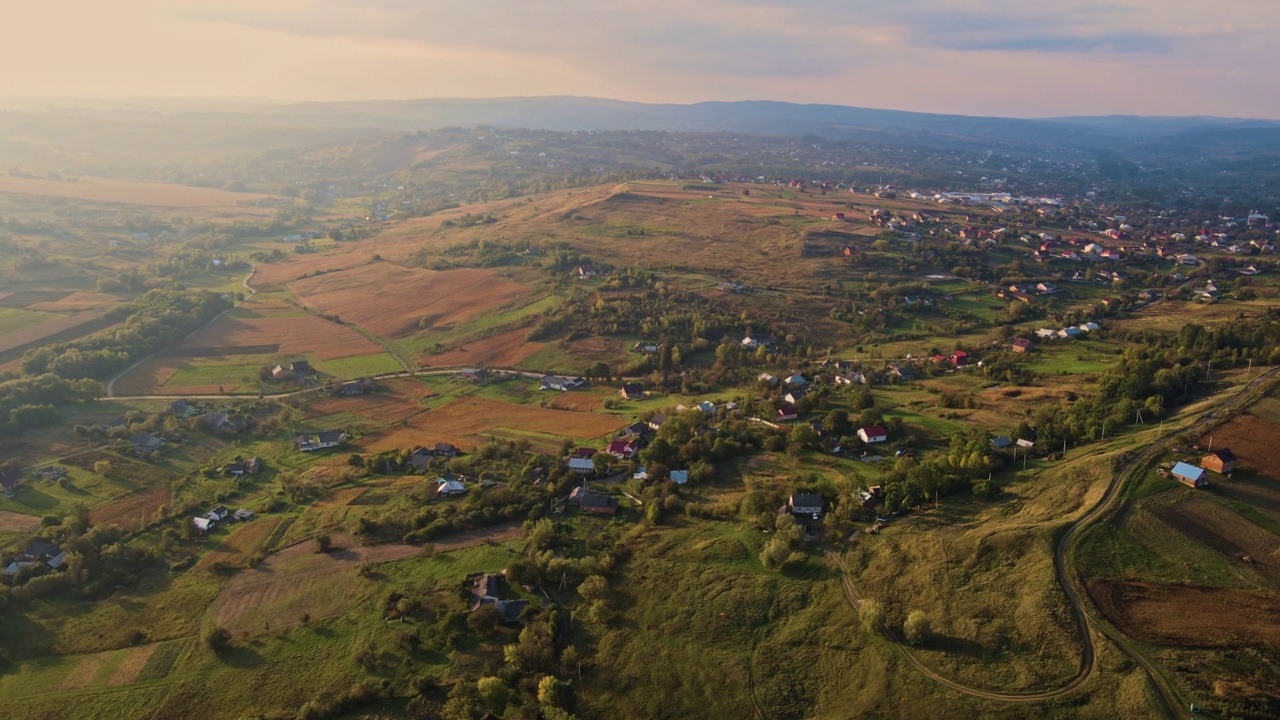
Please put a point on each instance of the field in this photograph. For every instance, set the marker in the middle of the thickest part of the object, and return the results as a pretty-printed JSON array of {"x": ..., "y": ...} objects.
[
  {"x": 19, "y": 328},
  {"x": 12, "y": 522},
  {"x": 244, "y": 541},
  {"x": 131, "y": 511},
  {"x": 1217, "y": 527},
  {"x": 112, "y": 190},
  {"x": 1158, "y": 613},
  {"x": 504, "y": 350},
  {"x": 1253, "y": 440},
  {"x": 390, "y": 301},
  {"x": 286, "y": 332},
  {"x": 469, "y": 421}
]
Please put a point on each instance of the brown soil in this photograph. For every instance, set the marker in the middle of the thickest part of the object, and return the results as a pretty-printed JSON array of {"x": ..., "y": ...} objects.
[
  {"x": 464, "y": 421},
  {"x": 1263, "y": 494},
  {"x": 1189, "y": 616},
  {"x": 1256, "y": 442},
  {"x": 1227, "y": 532},
  {"x": 132, "y": 664},
  {"x": 53, "y": 326},
  {"x": 245, "y": 540},
  {"x": 385, "y": 409},
  {"x": 327, "y": 340},
  {"x": 131, "y": 511},
  {"x": 390, "y": 300},
  {"x": 17, "y": 522},
  {"x": 506, "y": 349}
]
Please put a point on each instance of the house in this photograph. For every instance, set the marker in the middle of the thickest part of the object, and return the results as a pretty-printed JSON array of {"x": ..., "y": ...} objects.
[
  {"x": 217, "y": 421},
  {"x": 485, "y": 586},
  {"x": 318, "y": 441},
  {"x": 632, "y": 391},
  {"x": 450, "y": 486},
  {"x": 902, "y": 372},
  {"x": 203, "y": 524},
  {"x": 646, "y": 348},
  {"x": 586, "y": 272},
  {"x": 1046, "y": 333},
  {"x": 960, "y": 358},
  {"x": 584, "y": 452},
  {"x": 563, "y": 384},
  {"x": 624, "y": 449},
  {"x": 851, "y": 378},
  {"x": 767, "y": 379},
  {"x": 475, "y": 375},
  {"x": 594, "y": 504},
  {"x": 1071, "y": 332},
  {"x": 680, "y": 477},
  {"x": 145, "y": 443},
  {"x": 796, "y": 380},
  {"x": 444, "y": 450},
  {"x": 1025, "y": 444},
  {"x": 751, "y": 343},
  {"x": 707, "y": 407},
  {"x": 1022, "y": 345},
  {"x": 218, "y": 514},
  {"x": 509, "y": 611},
  {"x": 243, "y": 515},
  {"x": 581, "y": 466},
  {"x": 637, "y": 429},
  {"x": 872, "y": 434},
  {"x": 183, "y": 409},
  {"x": 1046, "y": 288},
  {"x": 1220, "y": 461},
  {"x": 10, "y": 479},
  {"x": 656, "y": 421},
  {"x": 301, "y": 367},
  {"x": 38, "y": 552},
  {"x": 1189, "y": 475},
  {"x": 244, "y": 467},
  {"x": 806, "y": 505},
  {"x": 280, "y": 372},
  {"x": 1090, "y": 326},
  {"x": 838, "y": 217},
  {"x": 420, "y": 458},
  {"x": 354, "y": 387},
  {"x": 795, "y": 396},
  {"x": 1000, "y": 442},
  {"x": 787, "y": 414}
]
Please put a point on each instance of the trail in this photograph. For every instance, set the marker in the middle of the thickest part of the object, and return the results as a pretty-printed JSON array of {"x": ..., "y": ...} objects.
[{"x": 1167, "y": 695}]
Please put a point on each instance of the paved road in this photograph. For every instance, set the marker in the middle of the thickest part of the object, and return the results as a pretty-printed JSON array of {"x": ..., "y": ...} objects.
[{"x": 1167, "y": 694}]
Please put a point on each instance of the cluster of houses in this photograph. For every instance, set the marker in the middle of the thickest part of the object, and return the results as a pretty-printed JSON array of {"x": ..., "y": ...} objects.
[
  {"x": 1066, "y": 333},
  {"x": 296, "y": 370},
  {"x": 220, "y": 515},
  {"x": 421, "y": 457},
  {"x": 1221, "y": 461},
  {"x": 561, "y": 383}
]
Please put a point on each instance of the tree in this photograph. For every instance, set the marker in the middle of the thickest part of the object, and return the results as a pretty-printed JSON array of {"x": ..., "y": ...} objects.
[
  {"x": 216, "y": 638},
  {"x": 572, "y": 661},
  {"x": 594, "y": 588},
  {"x": 872, "y": 614},
  {"x": 493, "y": 694},
  {"x": 917, "y": 628},
  {"x": 323, "y": 542},
  {"x": 554, "y": 692},
  {"x": 484, "y": 619},
  {"x": 102, "y": 467}
]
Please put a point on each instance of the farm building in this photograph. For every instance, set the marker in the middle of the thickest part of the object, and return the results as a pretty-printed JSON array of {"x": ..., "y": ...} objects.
[
  {"x": 581, "y": 466},
  {"x": 476, "y": 375},
  {"x": 318, "y": 441},
  {"x": 242, "y": 466},
  {"x": 787, "y": 414},
  {"x": 598, "y": 504},
  {"x": 680, "y": 477},
  {"x": 1022, "y": 345},
  {"x": 449, "y": 486},
  {"x": 873, "y": 434},
  {"x": 420, "y": 458},
  {"x": 563, "y": 384},
  {"x": 632, "y": 391},
  {"x": 795, "y": 396},
  {"x": 1189, "y": 475},
  {"x": 145, "y": 442},
  {"x": 1220, "y": 461}
]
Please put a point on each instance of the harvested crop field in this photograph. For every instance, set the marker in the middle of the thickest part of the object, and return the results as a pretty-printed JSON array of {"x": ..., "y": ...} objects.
[
  {"x": 84, "y": 672},
  {"x": 1227, "y": 532},
  {"x": 1260, "y": 493},
  {"x": 376, "y": 407},
  {"x": 131, "y": 665},
  {"x": 1256, "y": 442},
  {"x": 111, "y": 190},
  {"x": 18, "y": 522},
  {"x": 77, "y": 301},
  {"x": 48, "y": 326},
  {"x": 1159, "y": 613},
  {"x": 466, "y": 420},
  {"x": 390, "y": 301},
  {"x": 506, "y": 349},
  {"x": 299, "y": 580},
  {"x": 131, "y": 511},
  {"x": 148, "y": 376},
  {"x": 290, "y": 333},
  {"x": 246, "y": 539}
]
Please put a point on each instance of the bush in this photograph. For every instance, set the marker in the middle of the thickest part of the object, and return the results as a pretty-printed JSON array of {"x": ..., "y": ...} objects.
[
  {"x": 917, "y": 628},
  {"x": 323, "y": 542},
  {"x": 872, "y": 614},
  {"x": 216, "y": 638}
]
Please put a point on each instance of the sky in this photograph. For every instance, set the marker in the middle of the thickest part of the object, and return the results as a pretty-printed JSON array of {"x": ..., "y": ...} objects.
[{"x": 1019, "y": 58}]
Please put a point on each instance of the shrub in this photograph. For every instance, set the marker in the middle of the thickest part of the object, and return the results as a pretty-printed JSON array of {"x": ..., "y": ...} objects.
[
  {"x": 917, "y": 628},
  {"x": 216, "y": 638},
  {"x": 323, "y": 542}
]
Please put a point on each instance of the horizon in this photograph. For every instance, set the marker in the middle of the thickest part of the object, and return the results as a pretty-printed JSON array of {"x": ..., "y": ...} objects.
[
  {"x": 58, "y": 102},
  {"x": 984, "y": 58}
]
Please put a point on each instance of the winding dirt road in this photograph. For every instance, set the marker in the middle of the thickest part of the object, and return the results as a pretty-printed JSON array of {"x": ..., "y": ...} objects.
[{"x": 1167, "y": 695}]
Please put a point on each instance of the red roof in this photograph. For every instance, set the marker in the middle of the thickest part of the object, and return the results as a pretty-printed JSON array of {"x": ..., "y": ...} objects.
[{"x": 875, "y": 431}]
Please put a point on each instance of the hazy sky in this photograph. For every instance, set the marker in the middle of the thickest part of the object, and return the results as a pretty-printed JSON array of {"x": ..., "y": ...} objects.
[{"x": 1028, "y": 58}]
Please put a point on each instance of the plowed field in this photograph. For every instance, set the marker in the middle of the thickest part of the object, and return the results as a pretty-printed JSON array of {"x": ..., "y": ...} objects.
[
  {"x": 324, "y": 339},
  {"x": 1189, "y": 616},
  {"x": 390, "y": 301},
  {"x": 1256, "y": 442},
  {"x": 506, "y": 349},
  {"x": 466, "y": 421}
]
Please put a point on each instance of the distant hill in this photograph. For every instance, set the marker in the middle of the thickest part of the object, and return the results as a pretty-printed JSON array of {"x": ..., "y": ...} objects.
[{"x": 834, "y": 122}]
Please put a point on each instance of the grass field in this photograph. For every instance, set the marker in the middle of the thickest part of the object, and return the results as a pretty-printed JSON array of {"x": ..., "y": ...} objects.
[{"x": 114, "y": 190}]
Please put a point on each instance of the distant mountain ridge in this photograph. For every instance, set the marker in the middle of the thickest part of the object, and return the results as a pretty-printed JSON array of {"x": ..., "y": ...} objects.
[{"x": 1131, "y": 136}]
